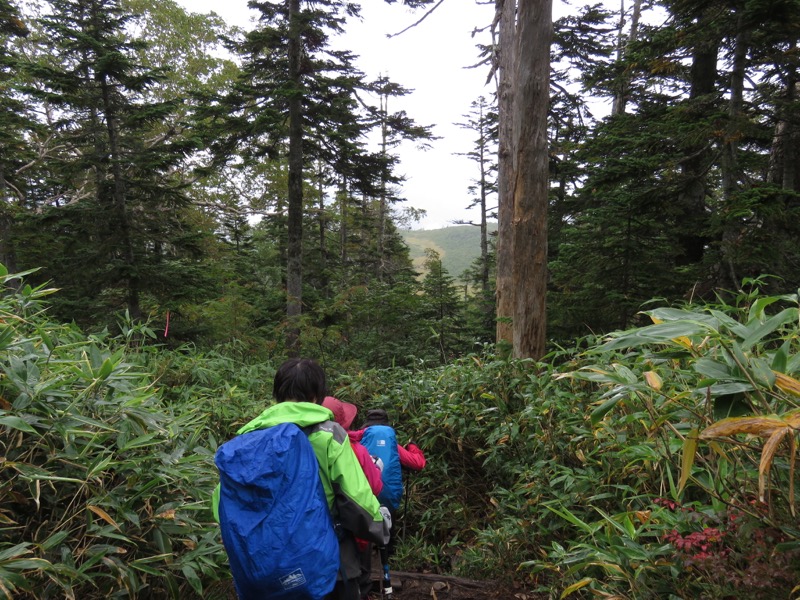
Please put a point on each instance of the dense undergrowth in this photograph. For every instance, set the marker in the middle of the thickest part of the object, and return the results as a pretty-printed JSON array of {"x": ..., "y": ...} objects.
[{"x": 653, "y": 463}]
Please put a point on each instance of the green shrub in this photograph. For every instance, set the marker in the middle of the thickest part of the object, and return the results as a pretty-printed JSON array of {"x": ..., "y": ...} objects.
[{"x": 105, "y": 485}]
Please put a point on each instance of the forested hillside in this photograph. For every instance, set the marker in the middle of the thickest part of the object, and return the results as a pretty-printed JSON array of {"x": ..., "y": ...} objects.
[
  {"x": 458, "y": 246},
  {"x": 609, "y": 409}
]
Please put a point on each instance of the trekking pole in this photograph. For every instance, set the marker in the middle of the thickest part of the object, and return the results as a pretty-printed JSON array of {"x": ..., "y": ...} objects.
[{"x": 386, "y": 580}]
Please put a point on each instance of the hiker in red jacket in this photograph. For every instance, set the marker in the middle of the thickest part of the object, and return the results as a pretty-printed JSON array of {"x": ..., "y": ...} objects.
[
  {"x": 380, "y": 439},
  {"x": 344, "y": 413}
]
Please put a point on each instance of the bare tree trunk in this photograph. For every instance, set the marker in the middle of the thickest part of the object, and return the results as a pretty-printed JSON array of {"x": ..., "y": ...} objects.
[
  {"x": 506, "y": 50},
  {"x": 531, "y": 101},
  {"x": 294, "y": 260},
  {"x": 623, "y": 41},
  {"x": 484, "y": 225},
  {"x": 343, "y": 216},
  {"x": 783, "y": 165},
  {"x": 382, "y": 208},
  {"x": 323, "y": 226}
]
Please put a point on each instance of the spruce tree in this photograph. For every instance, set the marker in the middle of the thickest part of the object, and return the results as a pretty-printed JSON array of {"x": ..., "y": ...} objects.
[
  {"x": 15, "y": 121},
  {"x": 116, "y": 209},
  {"x": 442, "y": 308}
]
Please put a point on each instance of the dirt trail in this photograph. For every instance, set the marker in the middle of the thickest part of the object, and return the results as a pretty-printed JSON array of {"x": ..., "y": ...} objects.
[
  {"x": 419, "y": 586},
  {"x": 425, "y": 586}
]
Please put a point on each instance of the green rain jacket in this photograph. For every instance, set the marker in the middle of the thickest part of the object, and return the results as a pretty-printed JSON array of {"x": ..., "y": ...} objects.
[{"x": 352, "y": 503}]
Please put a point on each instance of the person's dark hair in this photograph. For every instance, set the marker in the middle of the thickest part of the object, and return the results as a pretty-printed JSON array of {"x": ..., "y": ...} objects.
[
  {"x": 376, "y": 416},
  {"x": 299, "y": 379}
]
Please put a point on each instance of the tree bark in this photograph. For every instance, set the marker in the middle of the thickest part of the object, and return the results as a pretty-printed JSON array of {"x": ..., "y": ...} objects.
[
  {"x": 691, "y": 200},
  {"x": 294, "y": 259},
  {"x": 506, "y": 51},
  {"x": 531, "y": 101}
]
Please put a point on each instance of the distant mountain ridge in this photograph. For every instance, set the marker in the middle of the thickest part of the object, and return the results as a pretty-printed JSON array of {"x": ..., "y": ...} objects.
[{"x": 458, "y": 246}]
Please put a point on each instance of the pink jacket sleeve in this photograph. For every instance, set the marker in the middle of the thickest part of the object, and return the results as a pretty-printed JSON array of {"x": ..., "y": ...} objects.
[
  {"x": 370, "y": 470},
  {"x": 411, "y": 457}
]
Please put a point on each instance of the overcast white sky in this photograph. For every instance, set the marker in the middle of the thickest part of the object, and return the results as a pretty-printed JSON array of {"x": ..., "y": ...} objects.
[{"x": 432, "y": 59}]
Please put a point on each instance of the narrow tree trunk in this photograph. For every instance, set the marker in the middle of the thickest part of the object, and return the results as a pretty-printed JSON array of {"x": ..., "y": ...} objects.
[
  {"x": 343, "y": 223},
  {"x": 691, "y": 200},
  {"x": 120, "y": 210},
  {"x": 382, "y": 207},
  {"x": 531, "y": 100},
  {"x": 294, "y": 262},
  {"x": 321, "y": 219},
  {"x": 507, "y": 10},
  {"x": 730, "y": 234},
  {"x": 621, "y": 99},
  {"x": 483, "y": 185}
]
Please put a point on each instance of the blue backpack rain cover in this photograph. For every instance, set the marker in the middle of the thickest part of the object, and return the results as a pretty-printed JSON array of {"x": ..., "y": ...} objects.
[
  {"x": 381, "y": 441},
  {"x": 275, "y": 523}
]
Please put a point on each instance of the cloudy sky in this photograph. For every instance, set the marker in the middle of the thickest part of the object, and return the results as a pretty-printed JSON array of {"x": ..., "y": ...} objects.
[{"x": 432, "y": 59}]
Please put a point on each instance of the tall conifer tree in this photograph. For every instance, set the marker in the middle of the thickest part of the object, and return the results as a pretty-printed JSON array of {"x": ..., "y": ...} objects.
[{"x": 117, "y": 211}]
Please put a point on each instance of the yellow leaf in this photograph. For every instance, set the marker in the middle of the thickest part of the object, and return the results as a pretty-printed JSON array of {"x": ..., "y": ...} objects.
[
  {"x": 767, "y": 454},
  {"x": 792, "y": 419},
  {"x": 760, "y": 426},
  {"x": 576, "y": 586},
  {"x": 653, "y": 380},
  {"x": 687, "y": 458},
  {"x": 718, "y": 449},
  {"x": 103, "y": 515},
  {"x": 790, "y": 385}
]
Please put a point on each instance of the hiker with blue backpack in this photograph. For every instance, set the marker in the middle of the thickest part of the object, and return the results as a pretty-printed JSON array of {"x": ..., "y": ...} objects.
[
  {"x": 380, "y": 439},
  {"x": 292, "y": 497}
]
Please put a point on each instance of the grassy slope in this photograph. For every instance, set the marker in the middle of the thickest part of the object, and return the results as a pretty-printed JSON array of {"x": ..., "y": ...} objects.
[{"x": 458, "y": 246}]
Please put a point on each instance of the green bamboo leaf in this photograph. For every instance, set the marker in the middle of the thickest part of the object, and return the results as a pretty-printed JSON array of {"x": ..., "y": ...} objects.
[
  {"x": 193, "y": 579},
  {"x": 99, "y": 465},
  {"x": 144, "y": 568},
  {"x": 15, "y": 552},
  {"x": 762, "y": 372},
  {"x": 713, "y": 369},
  {"x": 16, "y": 423},
  {"x": 26, "y": 564},
  {"x": 726, "y": 389},
  {"x": 7, "y": 334},
  {"x": 598, "y": 413},
  {"x": 687, "y": 458},
  {"x": 757, "y": 308},
  {"x": 655, "y": 334},
  {"x": 781, "y": 357},
  {"x": 571, "y": 518},
  {"x": 54, "y": 540},
  {"x": 737, "y": 328},
  {"x": 769, "y": 326},
  {"x": 105, "y": 369},
  {"x": 735, "y": 350},
  {"x": 626, "y": 529},
  {"x": 142, "y": 441}
]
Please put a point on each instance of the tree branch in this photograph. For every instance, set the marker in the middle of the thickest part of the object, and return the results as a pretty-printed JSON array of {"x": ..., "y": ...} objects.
[{"x": 425, "y": 16}]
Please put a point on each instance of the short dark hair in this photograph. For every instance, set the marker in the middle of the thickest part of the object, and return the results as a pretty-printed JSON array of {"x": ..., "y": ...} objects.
[{"x": 301, "y": 380}]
